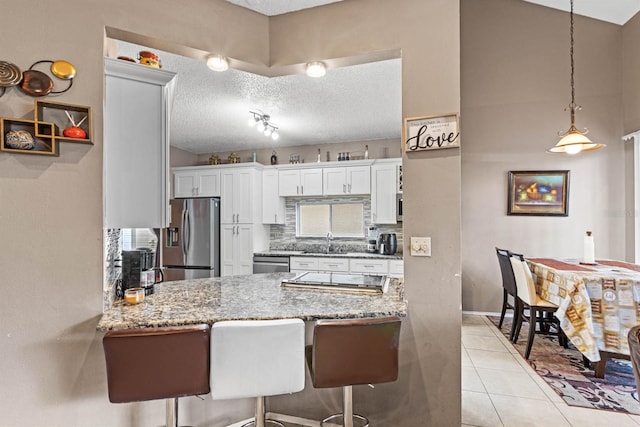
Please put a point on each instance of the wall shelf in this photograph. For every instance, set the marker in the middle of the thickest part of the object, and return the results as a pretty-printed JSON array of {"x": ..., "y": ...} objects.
[
  {"x": 47, "y": 128},
  {"x": 45, "y": 144},
  {"x": 54, "y": 112}
]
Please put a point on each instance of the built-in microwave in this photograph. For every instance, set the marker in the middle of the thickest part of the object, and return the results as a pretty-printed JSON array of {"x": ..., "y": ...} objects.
[{"x": 399, "y": 207}]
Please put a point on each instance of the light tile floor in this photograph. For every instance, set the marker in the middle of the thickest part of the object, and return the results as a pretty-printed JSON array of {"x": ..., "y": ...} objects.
[{"x": 499, "y": 388}]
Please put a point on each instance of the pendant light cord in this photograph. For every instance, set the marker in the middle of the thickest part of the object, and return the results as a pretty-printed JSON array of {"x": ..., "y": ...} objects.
[
  {"x": 573, "y": 91},
  {"x": 572, "y": 107}
]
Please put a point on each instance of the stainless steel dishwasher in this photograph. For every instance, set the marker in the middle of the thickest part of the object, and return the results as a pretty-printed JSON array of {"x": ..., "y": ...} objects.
[{"x": 270, "y": 263}]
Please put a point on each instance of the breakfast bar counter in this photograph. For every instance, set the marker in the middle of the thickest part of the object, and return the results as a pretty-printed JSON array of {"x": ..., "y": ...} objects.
[{"x": 248, "y": 297}]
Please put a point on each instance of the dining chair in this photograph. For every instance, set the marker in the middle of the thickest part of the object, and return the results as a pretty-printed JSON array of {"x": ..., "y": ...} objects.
[
  {"x": 508, "y": 288},
  {"x": 529, "y": 299},
  {"x": 634, "y": 350}
]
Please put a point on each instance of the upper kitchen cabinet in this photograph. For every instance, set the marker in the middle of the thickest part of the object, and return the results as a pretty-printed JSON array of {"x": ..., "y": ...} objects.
[
  {"x": 240, "y": 197},
  {"x": 300, "y": 182},
  {"x": 273, "y": 206},
  {"x": 136, "y": 145},
  {"x": 196, "y": 182},
  {"x": 340, "y": 181},
  {"x": 384, "y": 189}
]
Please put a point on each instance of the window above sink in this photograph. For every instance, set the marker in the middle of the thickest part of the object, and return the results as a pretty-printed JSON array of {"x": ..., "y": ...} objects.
[{"x": 339, "y": 219}]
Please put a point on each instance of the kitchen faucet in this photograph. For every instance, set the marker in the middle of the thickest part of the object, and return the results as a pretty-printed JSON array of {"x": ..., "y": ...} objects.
[{"x": 329, "y": 238}]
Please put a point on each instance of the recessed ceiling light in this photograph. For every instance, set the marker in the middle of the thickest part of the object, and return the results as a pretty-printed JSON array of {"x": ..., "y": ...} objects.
[
  {"x": 217, "y": 63},
  {"x": 316, "y": 69}
]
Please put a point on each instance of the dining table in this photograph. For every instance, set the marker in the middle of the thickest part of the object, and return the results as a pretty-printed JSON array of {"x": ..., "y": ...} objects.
[{"x": 597, "y": 303}]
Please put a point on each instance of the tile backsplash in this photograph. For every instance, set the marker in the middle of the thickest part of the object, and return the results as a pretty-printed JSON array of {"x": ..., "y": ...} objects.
[
  {"x": 283, "y": 237},
  {"x": 112, "y": 266}
]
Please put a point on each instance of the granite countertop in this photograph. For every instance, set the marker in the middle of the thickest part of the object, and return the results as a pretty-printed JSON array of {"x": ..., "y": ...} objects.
[
  {"x": 362, "y": 255},
  {"x": 248, "y": 297}
]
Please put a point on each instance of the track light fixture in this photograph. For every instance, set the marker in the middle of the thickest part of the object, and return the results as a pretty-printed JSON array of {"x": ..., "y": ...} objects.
[{"x": 262, "y": 124}]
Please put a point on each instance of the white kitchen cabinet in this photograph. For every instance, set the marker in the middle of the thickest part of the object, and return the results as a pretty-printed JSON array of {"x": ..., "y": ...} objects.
[
  {"x": 300, "y": 182},
  {"x": 196, "y": 182},
  {"x": 136, "y": 145},
  {"x": 240, "y": 196},
  {"x": 298, "y": 264},
  {"x": 346, "y": 265},
  {"x": 337, "y": 265},
  {"x": 383, "y": 192},
  {"x": 273, "y": 206},
  {"x": 346, "y": 180},
  {"x": 396, "y": 268},
  {"x": 369, "y": 266},
  {"x": 236, "y": 249}
]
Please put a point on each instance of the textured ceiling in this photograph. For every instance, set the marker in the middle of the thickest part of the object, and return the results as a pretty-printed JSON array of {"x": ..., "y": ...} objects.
[
  {"x": 615, "y": 11},
  {"x": 211, "y": 109},
  {"x": 278, "y": 7}
]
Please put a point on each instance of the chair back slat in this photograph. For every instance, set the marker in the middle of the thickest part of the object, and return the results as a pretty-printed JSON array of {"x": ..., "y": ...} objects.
[
  {"x": 524, "y": 279},
  {"x": 506, "y": 270}
]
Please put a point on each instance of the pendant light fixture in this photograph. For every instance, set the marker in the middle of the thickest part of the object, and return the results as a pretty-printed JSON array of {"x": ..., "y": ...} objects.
[{"x": 573, "y": 141}]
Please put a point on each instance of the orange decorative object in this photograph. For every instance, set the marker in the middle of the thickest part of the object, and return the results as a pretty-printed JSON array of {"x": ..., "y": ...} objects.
[{"x": 74, "y": 132}]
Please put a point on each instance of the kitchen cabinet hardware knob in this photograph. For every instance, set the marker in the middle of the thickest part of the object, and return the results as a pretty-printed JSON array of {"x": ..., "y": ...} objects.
[
  {"x": 349, "y": 188},
  {"x": 297, "y": 189},
  {"x": 302, "y": 189},
  {"x": 344, "y": 188},
  {"x": 275, "y": 218}
]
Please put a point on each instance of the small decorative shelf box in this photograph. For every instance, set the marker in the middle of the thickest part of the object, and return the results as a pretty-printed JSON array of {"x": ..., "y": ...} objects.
[
  {"x": 54, "y": 112},
  {"x": 42, "y": 133}
]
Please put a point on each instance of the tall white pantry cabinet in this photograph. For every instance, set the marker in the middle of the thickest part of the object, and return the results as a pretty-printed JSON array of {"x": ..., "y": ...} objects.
[
  {"x": 241, "y": 229},
  {"x": 136, "y": 145}
]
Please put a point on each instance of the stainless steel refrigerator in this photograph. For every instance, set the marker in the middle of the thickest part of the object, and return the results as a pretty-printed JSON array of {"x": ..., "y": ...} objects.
[{"x": 191, "y": 244}]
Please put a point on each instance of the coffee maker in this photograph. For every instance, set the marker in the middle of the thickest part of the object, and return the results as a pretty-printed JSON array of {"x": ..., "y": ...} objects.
[
  {"x": 137, "y": 270},
  {"x": 372, "y": 239}
]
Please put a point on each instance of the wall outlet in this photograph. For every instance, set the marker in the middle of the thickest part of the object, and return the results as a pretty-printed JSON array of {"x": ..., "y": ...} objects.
[{"x": 421, "y": 246}]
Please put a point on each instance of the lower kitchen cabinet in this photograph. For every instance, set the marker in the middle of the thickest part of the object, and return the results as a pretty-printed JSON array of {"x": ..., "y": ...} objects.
[
  {"x": 396, "y": 268},
  {"x": 298, "y": 264},
  {"x": 238, "y": 242},
  {"x": 369, "y": 266},
  {"x": 346, "y": 265}
]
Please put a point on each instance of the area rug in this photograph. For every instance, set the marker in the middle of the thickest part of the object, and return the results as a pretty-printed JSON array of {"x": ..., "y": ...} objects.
[{"x": 564, "y": 370}]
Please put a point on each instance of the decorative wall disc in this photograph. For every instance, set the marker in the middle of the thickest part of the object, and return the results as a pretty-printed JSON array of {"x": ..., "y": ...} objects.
[{"x": 10, "y": 74}]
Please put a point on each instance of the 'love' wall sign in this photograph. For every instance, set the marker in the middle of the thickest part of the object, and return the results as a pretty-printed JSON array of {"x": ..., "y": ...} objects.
[{"x": 431, "y": 133}]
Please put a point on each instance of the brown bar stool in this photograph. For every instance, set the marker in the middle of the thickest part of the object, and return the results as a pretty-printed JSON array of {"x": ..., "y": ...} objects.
[
  {"x": 352, "y": 352},
  {"x": 157, "y": 363}
]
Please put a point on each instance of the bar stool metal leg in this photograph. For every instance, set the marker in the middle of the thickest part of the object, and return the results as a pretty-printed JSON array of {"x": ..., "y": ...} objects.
[
  {"x": 171, "y": 412},
  {"x": 260, "y": 420},
  {"x": 348, "y": 418}
]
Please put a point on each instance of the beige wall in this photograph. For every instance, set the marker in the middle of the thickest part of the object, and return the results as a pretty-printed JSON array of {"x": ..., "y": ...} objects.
[
  {"x": 380, "y": 149},
  {"x": 515, "y": 85},
  {"x": 180, "y": 157},
  {"x": 51, "y": 208},
  {"x": 428, "y": 392},
  {"x": 630, "y": 73}
]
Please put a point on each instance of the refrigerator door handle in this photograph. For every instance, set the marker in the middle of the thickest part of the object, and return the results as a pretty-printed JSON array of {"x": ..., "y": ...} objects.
[
  {"x": 187, "y": 232},
  {"x": 183, "y": 234}
]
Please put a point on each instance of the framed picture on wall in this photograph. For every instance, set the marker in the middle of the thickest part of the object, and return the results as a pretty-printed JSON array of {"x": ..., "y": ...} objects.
[
  {"x": 431, "y": 133},
  {"x": 542, "y": 193}
]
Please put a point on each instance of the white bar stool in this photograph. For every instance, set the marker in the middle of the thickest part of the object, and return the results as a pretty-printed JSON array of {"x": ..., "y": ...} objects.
[{"x": 257, "y": 358}]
